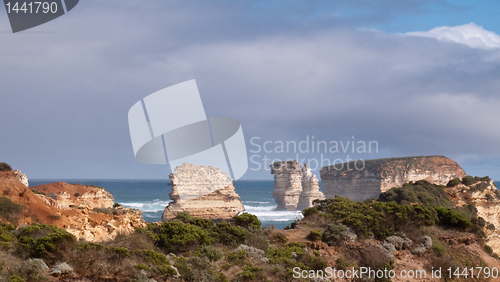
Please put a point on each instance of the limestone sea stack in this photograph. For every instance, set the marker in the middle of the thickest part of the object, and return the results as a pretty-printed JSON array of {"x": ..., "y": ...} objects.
[
  {"x": 371, "y": 177},
  {"x": 310, "y": 189},
  {"x": 287, "y": 184},
  {"x": 202, "y": 191}
]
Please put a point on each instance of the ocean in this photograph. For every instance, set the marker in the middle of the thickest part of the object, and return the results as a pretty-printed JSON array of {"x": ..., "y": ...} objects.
[{"x": 151, "y": 197}]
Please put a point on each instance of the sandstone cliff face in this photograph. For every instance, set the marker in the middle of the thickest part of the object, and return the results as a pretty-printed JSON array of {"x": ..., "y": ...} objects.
[
  {"x": 380, "y": 175},
  {"x": 22, "y": 177},
  {"x": 287, "y": 184},
  {"x": 310, "y": 189},
  {"x": 486, "y": 198},
  {"x": 202, "y": 191},
  {"x": 80, "y": 219},
  {"x": 66, "y": 196}
]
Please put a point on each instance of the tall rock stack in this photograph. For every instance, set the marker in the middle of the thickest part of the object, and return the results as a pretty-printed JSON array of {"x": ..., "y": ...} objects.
[
  {"x": 310, "y": 191},
  {"x": 367, "y": 179},
  {"x": 287, "y": 184},
  {"x": 203, "y": 191}
]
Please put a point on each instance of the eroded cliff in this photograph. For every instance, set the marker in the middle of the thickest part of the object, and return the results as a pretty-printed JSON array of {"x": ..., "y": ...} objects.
[
  {"x": 203, "y": 191},
  {"x": 287, "y": 184},
  {"x": 363, "y": 180},
  {"x": 485, "y": 196},
  {"x": 84, "y": 211}
]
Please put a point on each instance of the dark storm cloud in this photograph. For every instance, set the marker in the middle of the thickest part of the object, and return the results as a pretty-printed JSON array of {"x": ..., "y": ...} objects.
[{"x": 284, "y": 72}]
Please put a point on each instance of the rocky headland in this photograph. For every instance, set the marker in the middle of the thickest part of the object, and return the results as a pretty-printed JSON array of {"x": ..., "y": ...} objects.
[
  {"x": 295, "y": 187},
  {"x": 84, "y": 211},
  {"x": 357, "y": 182},
  {"x": 310, "y": 189},
  {"x": 202, "y": 191}
]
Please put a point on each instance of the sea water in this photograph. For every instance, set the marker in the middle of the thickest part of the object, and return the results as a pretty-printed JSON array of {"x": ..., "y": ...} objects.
[{"x": 151, "y": 197}]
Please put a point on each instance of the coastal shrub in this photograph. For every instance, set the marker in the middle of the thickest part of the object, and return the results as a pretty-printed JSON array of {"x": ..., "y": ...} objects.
[
  {"x": 16, "y": 278},
  {"x": 9, "y": 211},
  {"x": 310, "y": 211},
  {"x": 175, "y": 236},
  {"x": 258, "y": 238},
  {"x": 45, "y": 241},
  {"x": 284, "y": 254},
  {"x": 468, "y": 180},
  {"x": 479, "y": 187},
  {"x": 237, "y": 257},
  {"x": 491, "y": 227},
  {"x": 5, "y": 167},
  {"x": 335, "y": 234},
  {"x": 280, "y": 237},
  {"x": 116, "y": 205},
  {"x": 184, "y": 217},
  {"x": 247, "y": 220},
  {"x": 489, "y": 197},
  {"x": 488, "y": 249},
  {"x": 251, "y": 273},
  {"x": 212, "y": 253},
  {"x": 198, "y": 269},
  {"x": 438, "y": 248},
  {"x": 452, "y": 218},
  {"x": 379, "y": 219},
  {"x": 421, "y": 192},
  {"x": 142, "y": 266},
  {"x": 454, "y": 182},
  {"x": 342, "y": 263},
  {"x": 202, "y": 222},
  {"x": 314, "y": 235},
  {"x": 487, "y": 179},
  {"x": 153, "y": 257},
  {"x": 228, "y": 234}
]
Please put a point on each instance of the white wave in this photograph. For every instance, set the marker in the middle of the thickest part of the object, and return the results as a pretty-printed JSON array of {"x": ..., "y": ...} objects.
[
  {"x": 255, "y": 202},
  {"x": 156, "y": 205},
  {"x": 269, "y": 214}
]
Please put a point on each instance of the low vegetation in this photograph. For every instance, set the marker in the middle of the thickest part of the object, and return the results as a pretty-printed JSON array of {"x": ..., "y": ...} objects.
[{"x": 240, "y": 249}]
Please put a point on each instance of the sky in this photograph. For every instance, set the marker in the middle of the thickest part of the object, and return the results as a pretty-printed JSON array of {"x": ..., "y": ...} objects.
[{"x": 411, "y": 77}]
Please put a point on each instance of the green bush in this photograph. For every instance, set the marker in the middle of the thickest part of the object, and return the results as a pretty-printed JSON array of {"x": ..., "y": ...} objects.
[
  {"x": 9, "y": 210},
  {"x": 335, "y": 234},
  {"x": 45, "y": 241},
  {"x": 198, "y": 269},
  {"x": 438, "y": 248},
  {"x": 489, "y": 197},
  {"x": 142, "y": 266},
  {"x": 250, "y": 273},
  {"x": 314, "y": 235},
  {"x": 280, "y": 237},
  {"x": 421, "y": 192},
  {"x": 488, "y": 249},
  {"x": 210, "y": 252},
  {"x": 310, "y": 211},
  {"x": 228, "y": 234},
  {"x": 237, "y": 257},
  {"x": 342, "y": 263},
  {"x": 202, "y": 222},
  {"x": 491, "y": 227},
  {"x": 379, "y": 219},
  {"x": 452, "y": 218},
  {"x": 184, "y": 217},
  {"x": 175, "y": 236},
  {"x": 468, "y": 180},
  {"x": 5, "y": 167},
  {"x": 247, "y": 220},
  {"x": 454, "y": 182},
  {"x": 15, "y": 278}
]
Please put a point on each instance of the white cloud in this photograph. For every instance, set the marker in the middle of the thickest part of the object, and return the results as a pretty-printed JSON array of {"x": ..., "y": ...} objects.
[{"x": 470, "y": 34}]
